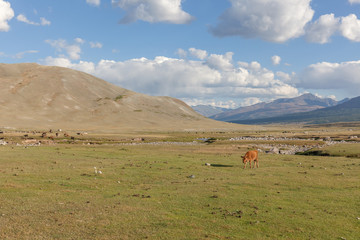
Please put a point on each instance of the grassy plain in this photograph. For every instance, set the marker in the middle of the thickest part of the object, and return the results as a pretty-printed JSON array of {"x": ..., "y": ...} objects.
[{"x": 165, "y": 191}]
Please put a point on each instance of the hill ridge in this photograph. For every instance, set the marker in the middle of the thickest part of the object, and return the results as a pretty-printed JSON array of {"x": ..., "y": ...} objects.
[{"x": 36, "y": 96}]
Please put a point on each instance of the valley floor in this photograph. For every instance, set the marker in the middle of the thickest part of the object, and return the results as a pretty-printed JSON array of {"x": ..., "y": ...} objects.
[{"x": 126, "y": 187}]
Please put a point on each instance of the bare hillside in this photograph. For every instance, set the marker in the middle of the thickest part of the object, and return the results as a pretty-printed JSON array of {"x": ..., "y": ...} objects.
[{"x": 41, "y": 97}]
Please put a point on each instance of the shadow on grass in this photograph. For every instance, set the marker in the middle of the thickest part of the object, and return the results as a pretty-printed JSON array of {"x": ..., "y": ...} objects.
[{"x": 221, "y": 165}]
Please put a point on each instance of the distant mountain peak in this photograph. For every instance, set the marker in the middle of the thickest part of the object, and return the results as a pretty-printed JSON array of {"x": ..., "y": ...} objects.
[
  {"x": 348, "y": 111},
  {"x": 303, "y": 103}
]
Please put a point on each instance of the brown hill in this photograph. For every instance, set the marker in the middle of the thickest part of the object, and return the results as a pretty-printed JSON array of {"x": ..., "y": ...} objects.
[{"x": 42, "y": 97}]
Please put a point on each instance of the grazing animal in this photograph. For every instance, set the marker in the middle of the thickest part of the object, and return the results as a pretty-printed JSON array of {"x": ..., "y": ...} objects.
[{"x": 249, "y": 157}]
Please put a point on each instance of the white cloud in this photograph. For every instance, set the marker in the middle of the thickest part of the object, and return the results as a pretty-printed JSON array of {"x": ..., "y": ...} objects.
[
  {"x": 193, "y": 52},
  {"x": 326, "y": 75},
  {"x": 61, "y": 62},
  {"x": 198, "y": 53},
  {"x": 153, "y": 11},
  {"x": 73, "y": 50},
  {"x": 6, "y": 14},
  {"x": 95, "y": 45},
  {"x": 21, "y": 54},
  {"x": 220, "y": 62},
  {"x": 328, "y": 25},
  {"x": 270, "y": 20},
  {"x": 279, "y": 21},
  {"x": 350, "y": 27},
  {"x": 285, "y": 77},
  {"x": 181, "y": 53},
  {"x": 211, "y": 102},
  {"x": 215, "y": 77},
  {"x": 44, "y": 21},
  {"x": 23, "y": 18},
  {"x": 250, "y": 101},
  {"x": 93, "y": 2},
  {"x": 276, "y": 60},
  {"x": 354, "y": 1},
  {"x": 322, "y": 29},
  {"x": 79, "y": 40}
]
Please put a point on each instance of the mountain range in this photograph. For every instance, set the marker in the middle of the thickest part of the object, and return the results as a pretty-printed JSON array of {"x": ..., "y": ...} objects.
[
  {"x": 347, "y": 111},
  {"x": 33, "y": 96},
  {"x": 304, "y": 103}
]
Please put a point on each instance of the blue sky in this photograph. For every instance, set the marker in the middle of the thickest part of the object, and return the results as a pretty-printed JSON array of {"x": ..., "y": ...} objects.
[{"x": 226, "y": 53}]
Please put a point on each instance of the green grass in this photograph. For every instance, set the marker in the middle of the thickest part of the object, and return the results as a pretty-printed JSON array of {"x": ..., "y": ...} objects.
[
  {"x": 350, "y": 150},
  {"x": 145, "y": 192},
  {"x": 119, "y": 97}
]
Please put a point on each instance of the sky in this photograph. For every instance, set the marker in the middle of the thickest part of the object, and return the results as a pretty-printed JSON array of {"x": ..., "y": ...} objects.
[{"x": 225, "y": 53}]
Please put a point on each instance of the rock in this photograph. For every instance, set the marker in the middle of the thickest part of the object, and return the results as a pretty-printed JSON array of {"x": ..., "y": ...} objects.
[
  {"x": 207, "y": 164},
  {"x": 275, "y": 150},
  {"x": 191, "y": 176}
]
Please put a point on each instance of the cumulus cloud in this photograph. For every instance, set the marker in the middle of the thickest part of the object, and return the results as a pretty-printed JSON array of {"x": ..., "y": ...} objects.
[
  {"x": 93, "y": 2},
  {"x": 326, "y": 75},
  {"x": 279, "y": 21},
  {"x": 328, "y": 25},
  {"x": 6, "y": 14},
  {"x": 276, "y": 60},
  {"x": 322, "y": 29},
  {"x": 59, "y": 61},
  {"x": 198, "y": 53},
  {"x": 216, "y": 76},
  {"x": 153, "y": 11},
  {"x": 220, "y": 62},
  {"x": 285, "y": 77},
  {"x": 350, "y": 27},
  {"x": 270, "y": 20},
  {"x": 24, "y": 19},
  {"x": 192, "y": 52},
  {"x": 72, "y": 50}
]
